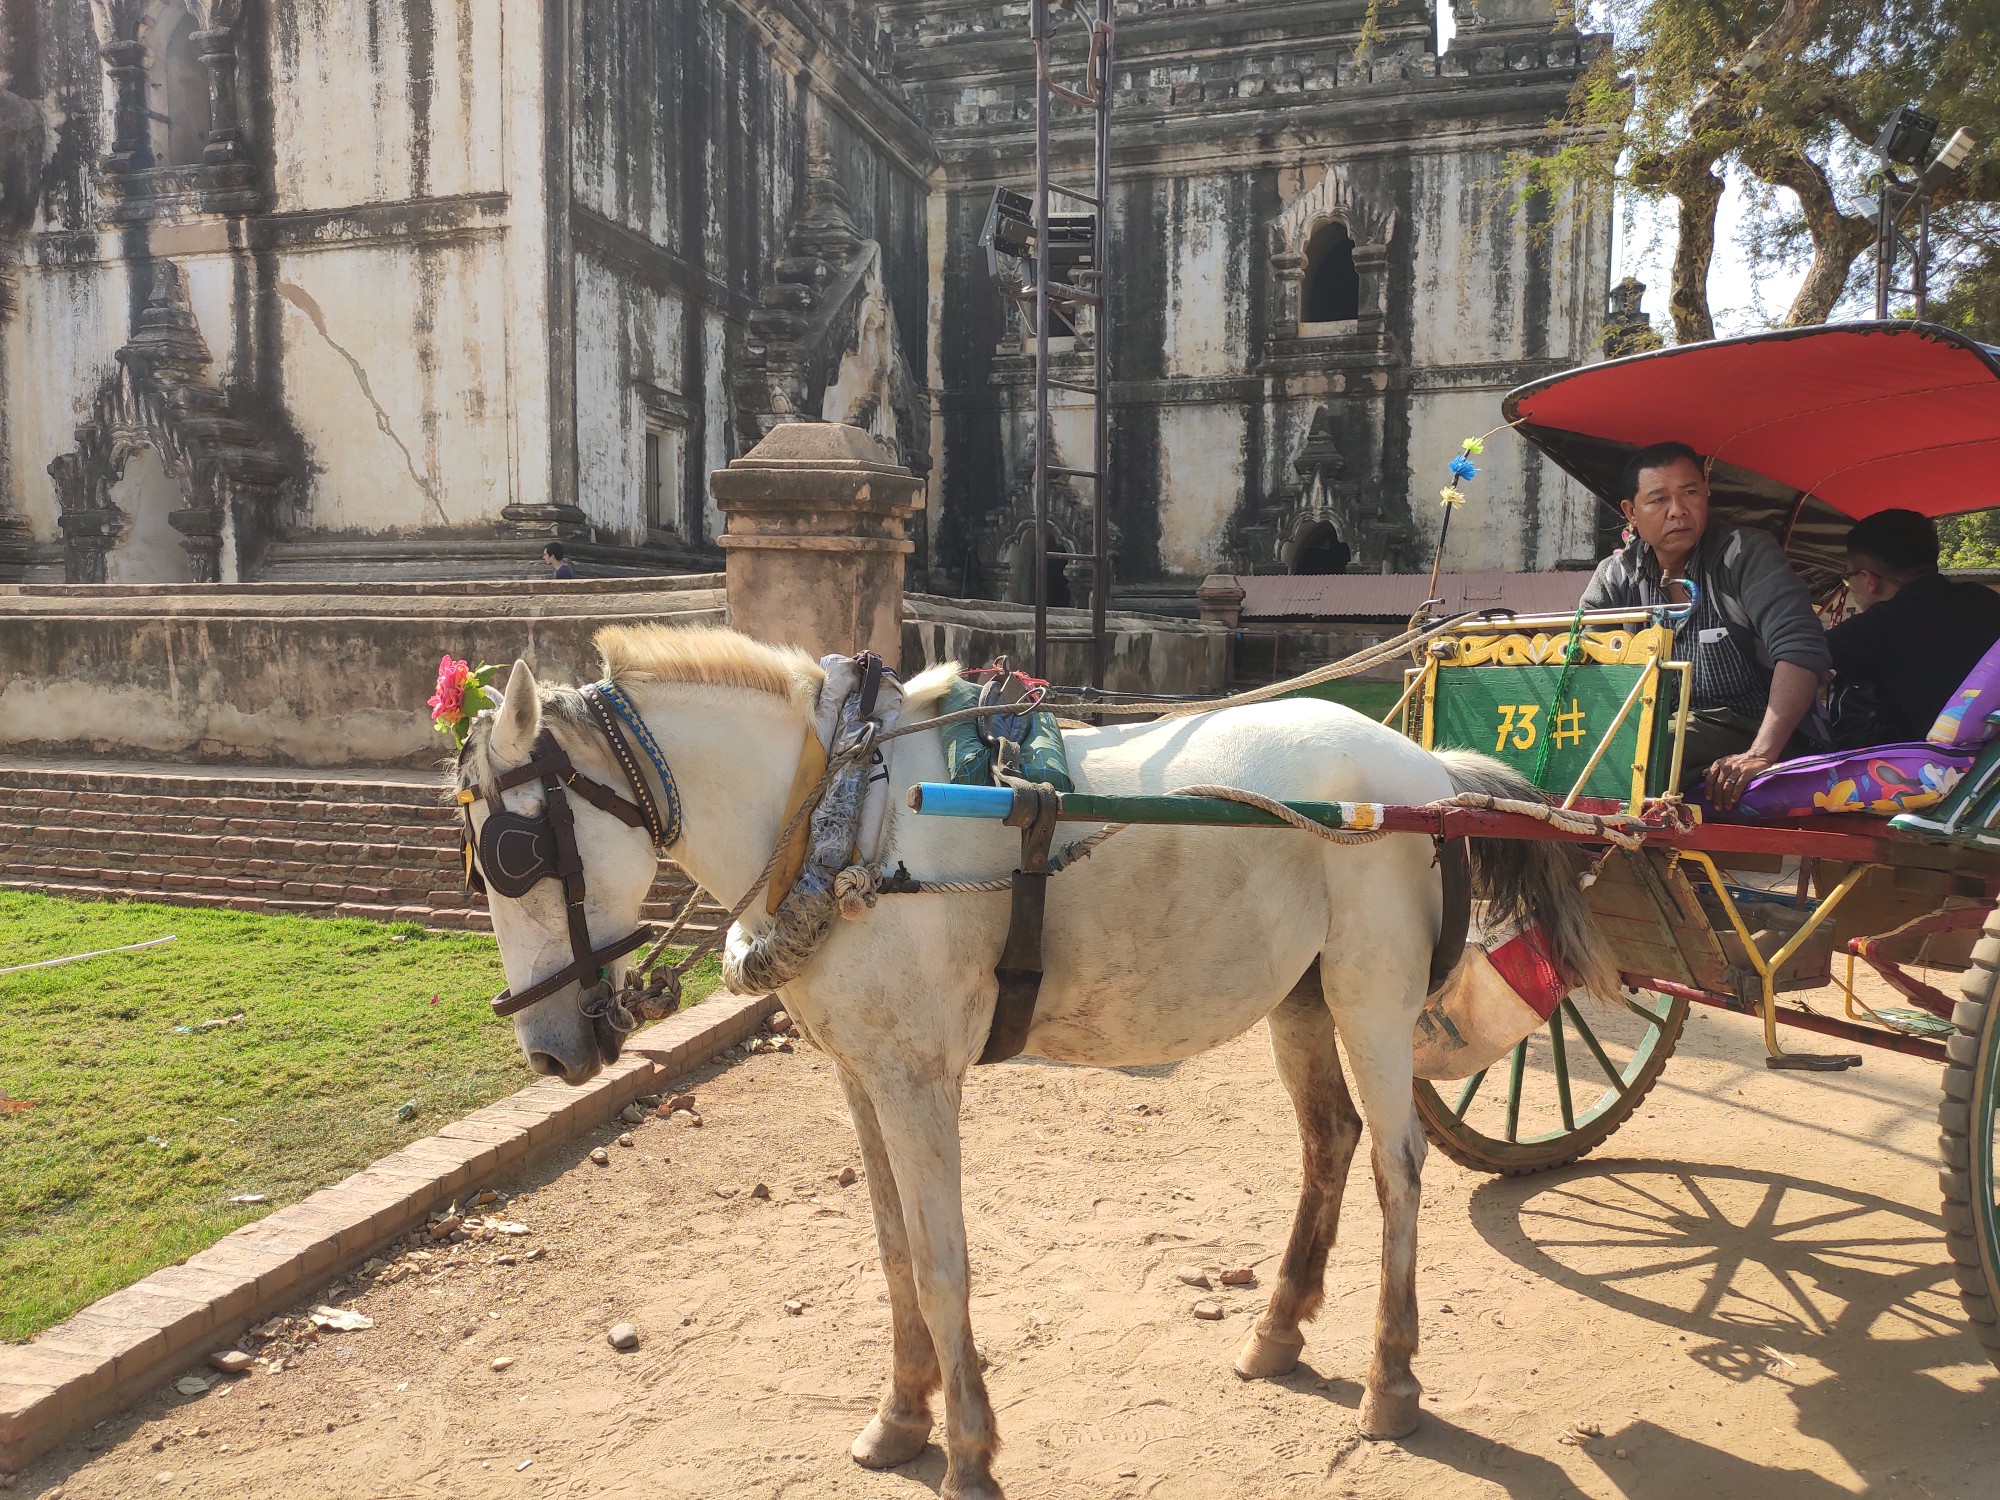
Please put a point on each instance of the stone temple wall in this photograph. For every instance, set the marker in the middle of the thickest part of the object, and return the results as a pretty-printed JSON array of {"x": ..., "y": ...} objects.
[
  {"x": 1243, "y": 429},
  {"x": 323, "y": 291}
]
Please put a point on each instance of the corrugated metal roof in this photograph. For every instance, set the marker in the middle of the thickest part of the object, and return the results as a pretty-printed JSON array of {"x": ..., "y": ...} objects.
[{"x": 1395, "y": 596}]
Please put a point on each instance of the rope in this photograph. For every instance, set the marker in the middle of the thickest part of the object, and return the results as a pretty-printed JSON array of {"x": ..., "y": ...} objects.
[
  {"x": 1622, "y": 829},
  {"x": 1281, "y": 812}
]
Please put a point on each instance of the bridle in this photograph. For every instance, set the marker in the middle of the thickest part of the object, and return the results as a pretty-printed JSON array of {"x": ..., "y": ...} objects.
[{"x": 516, "y": 852}]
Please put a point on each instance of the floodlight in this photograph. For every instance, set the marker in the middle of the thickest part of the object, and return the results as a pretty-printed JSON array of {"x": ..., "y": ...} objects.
[
  {"x": 1906, "y": 139},
  {"x": 1955, "y": 150}
]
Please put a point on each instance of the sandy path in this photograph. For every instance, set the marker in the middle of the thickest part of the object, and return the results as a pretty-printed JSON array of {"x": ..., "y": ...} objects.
[{"x": 1752, "y": 1299}]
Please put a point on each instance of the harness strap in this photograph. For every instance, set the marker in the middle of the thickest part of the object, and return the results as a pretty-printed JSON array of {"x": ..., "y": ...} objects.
[
  {"x": 1020, "y": 968},
  {"x": 583, "y": 971}
]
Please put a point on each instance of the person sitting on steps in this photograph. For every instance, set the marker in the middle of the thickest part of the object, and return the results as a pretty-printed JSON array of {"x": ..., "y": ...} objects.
[{"x": 1757, "y": 649}]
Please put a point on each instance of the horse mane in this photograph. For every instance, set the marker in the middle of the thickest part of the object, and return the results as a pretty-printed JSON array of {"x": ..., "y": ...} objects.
[{"x": 708, "y": 656}]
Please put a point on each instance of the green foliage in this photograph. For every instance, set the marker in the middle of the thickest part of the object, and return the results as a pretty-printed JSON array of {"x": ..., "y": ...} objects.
[
  {"x": 1786, "y": 95},
  {"x": 145, "y": 1124},
  {"x": 1970, "y": 541}
]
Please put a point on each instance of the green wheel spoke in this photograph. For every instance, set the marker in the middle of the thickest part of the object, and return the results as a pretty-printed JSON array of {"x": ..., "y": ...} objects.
[
  {"x": 1514, "y": 1071},
  {"x": 1650, "y": 1017},
  {"x": 1465, "y": 1097},
  {"x": 1596, "y": 1047},
  {"x": 1559, "y": 1057}
]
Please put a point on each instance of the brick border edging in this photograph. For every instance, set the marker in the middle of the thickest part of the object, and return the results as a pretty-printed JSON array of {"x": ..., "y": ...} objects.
[{"x": 121, "y": 1346}]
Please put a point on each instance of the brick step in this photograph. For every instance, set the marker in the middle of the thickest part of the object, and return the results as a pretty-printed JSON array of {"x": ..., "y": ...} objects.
[
  {"x": 469, "y": 918},
  {"x": 425, "y": 802},
  {"x": 305, "y": 854},
  {"x": 407, "y": 790},
  {"x": 278, "y": 824}
]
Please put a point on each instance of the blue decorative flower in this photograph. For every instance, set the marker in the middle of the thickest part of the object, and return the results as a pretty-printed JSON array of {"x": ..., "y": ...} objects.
[{"x": 1463, "y": 468}]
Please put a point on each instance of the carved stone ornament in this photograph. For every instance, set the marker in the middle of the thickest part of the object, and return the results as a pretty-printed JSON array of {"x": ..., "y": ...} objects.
[
  {"x": 825, "y": 332},
  {"x": 161, "y": 398},
  {"x": 1323, "y": 495}
]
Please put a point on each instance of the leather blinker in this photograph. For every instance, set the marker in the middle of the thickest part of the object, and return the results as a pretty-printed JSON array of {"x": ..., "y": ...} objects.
[{"x": 516, "y": 852}]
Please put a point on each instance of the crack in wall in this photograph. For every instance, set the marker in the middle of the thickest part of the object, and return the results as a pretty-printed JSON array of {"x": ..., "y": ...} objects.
[{"x": 303, "y": 301}]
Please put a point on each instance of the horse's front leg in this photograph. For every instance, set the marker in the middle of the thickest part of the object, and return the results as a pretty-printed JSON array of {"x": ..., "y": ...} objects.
[
  {"x": 902, "y": 1421},
  {"x": 918, "y": 1117}
]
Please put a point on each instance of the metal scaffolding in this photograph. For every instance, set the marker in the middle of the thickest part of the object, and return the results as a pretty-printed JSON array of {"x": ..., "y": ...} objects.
[{"x": 1073, "y": 285}]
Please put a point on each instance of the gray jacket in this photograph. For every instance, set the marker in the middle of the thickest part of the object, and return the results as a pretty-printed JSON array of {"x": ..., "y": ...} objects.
[{"x": 1748, "y": 594}]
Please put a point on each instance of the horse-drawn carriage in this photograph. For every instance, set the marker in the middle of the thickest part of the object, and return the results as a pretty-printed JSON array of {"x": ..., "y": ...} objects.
[{"x": 1809, "y": 430}]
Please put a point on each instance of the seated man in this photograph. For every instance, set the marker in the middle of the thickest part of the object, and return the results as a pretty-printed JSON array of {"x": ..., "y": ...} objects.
[
  {"x": 1918, "y": 633},
  {"x": 1756, "y": 646}
]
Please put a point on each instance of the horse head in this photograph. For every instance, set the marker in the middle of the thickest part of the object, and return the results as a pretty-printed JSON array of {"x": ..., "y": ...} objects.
[{"x": 523, "y": 827}]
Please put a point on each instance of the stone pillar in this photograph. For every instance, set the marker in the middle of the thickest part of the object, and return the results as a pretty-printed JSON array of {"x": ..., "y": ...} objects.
[
  {"x": 815, "y": 536},
  {"x": 1220, "y": 600},
  {"x": 225, "y": 135},
  {"x": 131, "y": 146}
]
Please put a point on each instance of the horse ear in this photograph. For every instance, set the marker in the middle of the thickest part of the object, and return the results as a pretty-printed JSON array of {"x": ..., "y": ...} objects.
[{"x": 519, "y": 718}]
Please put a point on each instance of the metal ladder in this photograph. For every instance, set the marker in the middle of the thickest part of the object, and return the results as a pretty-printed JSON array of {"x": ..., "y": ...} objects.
[{"x": 1087, "y": 289}]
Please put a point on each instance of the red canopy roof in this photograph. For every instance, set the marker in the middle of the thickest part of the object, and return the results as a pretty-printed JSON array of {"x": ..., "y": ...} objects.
[{"x": 1809, "y": 428}]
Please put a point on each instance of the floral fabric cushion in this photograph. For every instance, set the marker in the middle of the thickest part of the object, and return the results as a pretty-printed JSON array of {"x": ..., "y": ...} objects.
[
  {"x": 1962, "y": 721},
  {"x": 1884, "y": 780}
]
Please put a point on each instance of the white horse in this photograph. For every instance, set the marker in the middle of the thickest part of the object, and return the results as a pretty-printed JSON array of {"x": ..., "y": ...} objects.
[{"x": 1167, "y": 941}]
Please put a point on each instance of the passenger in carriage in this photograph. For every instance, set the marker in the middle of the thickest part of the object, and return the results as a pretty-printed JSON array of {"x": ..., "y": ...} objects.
[
  {"x": 1917, "y": 636},
  {"x": 1758, "y": 651}
]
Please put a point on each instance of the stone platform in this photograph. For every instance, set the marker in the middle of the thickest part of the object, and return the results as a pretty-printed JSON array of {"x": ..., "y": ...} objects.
[{"x": 335, "y": 676}]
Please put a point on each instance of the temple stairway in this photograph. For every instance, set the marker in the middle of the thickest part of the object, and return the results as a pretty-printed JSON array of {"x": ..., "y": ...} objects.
[{"x": 379, "y": 844}]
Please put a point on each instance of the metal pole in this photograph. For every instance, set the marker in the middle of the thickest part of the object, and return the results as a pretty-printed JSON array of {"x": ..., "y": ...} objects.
[
  {"x": 1920, "y": 277},
  {"x": 1100, "y": 586},
  {"x": 1885, "y": 240},
  {"x": 1039, "y": 29}
]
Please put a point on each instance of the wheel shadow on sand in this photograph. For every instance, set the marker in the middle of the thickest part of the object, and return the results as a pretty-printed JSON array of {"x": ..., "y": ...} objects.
[{"x": 1837, "y": 1294}]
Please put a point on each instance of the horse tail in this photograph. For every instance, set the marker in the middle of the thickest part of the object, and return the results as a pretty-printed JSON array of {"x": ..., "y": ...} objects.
[{"x": 1533, "y": 880}]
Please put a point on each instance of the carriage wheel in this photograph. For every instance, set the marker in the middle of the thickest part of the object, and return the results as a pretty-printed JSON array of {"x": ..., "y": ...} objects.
[
  {"x": 1966, "y": 1121},
  {"x": 1561, "y": 1093}
]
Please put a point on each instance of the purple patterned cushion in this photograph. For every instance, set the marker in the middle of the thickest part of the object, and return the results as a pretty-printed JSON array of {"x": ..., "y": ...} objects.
[
  {"x": 1885, "y": 780},
  {"x": 1962, "y": 721}
]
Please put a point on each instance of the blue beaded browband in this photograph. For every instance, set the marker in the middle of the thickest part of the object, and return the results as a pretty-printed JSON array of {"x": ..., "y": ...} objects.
[{"x": 668, "y": 830}]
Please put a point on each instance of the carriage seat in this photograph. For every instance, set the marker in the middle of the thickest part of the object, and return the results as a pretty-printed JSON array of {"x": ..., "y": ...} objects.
[{"x": 1887, "y": 779}]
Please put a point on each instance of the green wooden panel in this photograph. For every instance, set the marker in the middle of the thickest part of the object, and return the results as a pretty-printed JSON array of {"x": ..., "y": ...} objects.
[{"x": 1507, "y": 712}]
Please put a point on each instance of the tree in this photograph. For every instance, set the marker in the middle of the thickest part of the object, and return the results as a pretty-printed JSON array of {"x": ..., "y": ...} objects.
[{"x": 1789, "y": 94}]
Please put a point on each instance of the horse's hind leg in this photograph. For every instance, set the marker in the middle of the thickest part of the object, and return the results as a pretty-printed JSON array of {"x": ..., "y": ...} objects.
[
  {"x": 1309, "y": 1063},
  {"x": 901, "y": 1425}
]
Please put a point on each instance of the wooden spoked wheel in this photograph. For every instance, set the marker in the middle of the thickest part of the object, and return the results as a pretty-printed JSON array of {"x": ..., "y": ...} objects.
[
  {"x": 1966, "y": 1124},
  {"x": 1561, "y": 1093}
]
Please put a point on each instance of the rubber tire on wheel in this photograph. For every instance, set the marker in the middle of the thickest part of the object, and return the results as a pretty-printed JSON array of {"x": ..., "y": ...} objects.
[
  {"x": 1966, "y": 1139},
  {"x": 1485, "y": 1153}
]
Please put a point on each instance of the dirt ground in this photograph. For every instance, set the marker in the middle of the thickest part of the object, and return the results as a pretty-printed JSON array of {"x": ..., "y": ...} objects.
[{"x": 1747, "y": 1296}]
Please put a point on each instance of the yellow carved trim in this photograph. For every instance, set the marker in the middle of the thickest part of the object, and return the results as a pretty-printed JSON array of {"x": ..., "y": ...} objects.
[{"x": 1516, "y": 649}]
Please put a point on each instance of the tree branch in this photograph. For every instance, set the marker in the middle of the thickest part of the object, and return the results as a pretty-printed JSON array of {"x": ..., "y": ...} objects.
[{"x": 1837, "y": 237}]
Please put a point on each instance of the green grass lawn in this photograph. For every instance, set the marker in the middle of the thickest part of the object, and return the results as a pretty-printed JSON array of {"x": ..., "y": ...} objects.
[{"x": 145, "y": 1124}]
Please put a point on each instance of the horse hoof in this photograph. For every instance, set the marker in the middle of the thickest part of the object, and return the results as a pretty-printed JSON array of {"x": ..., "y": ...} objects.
[
  {"x": 1264, "y": 1355},
  {"x": 978, "y": 1489},
  {"x": 884, "y": 1445},
  {"x": 1387, "y": 1415}
]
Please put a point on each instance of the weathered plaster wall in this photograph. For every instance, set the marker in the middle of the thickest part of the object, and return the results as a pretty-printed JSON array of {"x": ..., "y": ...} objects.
[
  {"x": 695, "y": 127},
  {"x": 369, "y": 284},
  {"x": 1239, "y": 126}
]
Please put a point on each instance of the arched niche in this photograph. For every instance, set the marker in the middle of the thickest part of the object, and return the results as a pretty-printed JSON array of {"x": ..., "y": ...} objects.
[
  {"x": 177, "y": 89},
  {"x": 1329, "y": 261},
  {"x": 1317, "y": 551},
  {"x": 149, "y": 548}
]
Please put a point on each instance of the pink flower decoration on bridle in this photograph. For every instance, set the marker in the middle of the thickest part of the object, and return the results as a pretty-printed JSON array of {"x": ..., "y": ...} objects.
[{"x": 462, "y": 691}]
